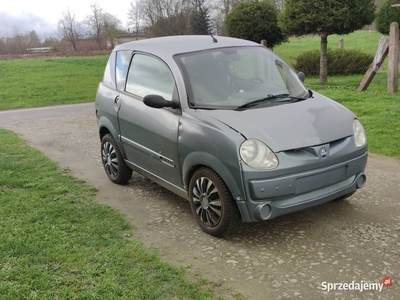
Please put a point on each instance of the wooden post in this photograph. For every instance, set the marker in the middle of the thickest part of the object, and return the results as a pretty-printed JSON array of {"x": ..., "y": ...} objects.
[
  {"x": 373, "y": 68},
  {"x": 341, "y": 44},
  {"x": 264, "y": 43},
  {"x": 392, "y": 82}
]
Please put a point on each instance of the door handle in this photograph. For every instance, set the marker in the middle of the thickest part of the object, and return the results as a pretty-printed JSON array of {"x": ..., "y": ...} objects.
[{"x": 117, "y": 103}]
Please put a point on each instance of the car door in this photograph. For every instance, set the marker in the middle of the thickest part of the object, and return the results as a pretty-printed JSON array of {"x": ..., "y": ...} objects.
[{"x": 150, "y": 135}]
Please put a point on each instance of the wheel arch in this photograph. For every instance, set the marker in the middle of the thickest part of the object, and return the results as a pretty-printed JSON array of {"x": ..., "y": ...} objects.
[
  {"x": 106, "y": 127},
  {"x": 198, "y": 160},
  {"x": 113, "y": 161},
  {"x": 216, "y": 212}
]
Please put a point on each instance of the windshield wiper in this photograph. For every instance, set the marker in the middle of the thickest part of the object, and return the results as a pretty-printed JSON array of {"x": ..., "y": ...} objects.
[
  {"x": 258, "y": 101},
  {"x": 293, "y": 99},
  {"x": 296, "y": 99}
]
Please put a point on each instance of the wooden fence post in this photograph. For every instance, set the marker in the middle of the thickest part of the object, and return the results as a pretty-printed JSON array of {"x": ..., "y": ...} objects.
[
  {"x": 381, "y": 53},
  {"x": 341, "y": 44},
  {"x": 392, "y": 82},
  {"x": 264, "y": 43}
]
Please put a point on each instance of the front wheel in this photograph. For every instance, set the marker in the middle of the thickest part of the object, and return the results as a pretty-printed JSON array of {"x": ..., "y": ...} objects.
[
  {"x": 212, "y": 204},
  {"x": 113, "y": 162}
]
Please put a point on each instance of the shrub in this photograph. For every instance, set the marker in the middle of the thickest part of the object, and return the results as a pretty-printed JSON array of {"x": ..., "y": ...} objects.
[
  {"x": 255, "y": 21},
  {"x": 340, "y": 62},
  {"x": 386, "y": 15}
]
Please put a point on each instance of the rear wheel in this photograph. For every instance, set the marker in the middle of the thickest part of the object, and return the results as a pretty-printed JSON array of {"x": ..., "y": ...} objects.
[
  {"x": 113, "y": 162},
  {"x": 212, "y": 204}
]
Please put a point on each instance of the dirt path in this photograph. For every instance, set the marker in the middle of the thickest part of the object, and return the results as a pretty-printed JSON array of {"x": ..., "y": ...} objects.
[{"x": 290, "y": 257}]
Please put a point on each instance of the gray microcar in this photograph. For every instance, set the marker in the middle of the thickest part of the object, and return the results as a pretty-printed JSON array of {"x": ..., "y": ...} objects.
[{"x": 228, "y": 125}]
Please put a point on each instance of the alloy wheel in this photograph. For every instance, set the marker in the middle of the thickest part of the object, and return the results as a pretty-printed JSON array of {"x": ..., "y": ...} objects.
[
  {"x": 207, "y": 202},
  {"x": 110, "y": 159}
]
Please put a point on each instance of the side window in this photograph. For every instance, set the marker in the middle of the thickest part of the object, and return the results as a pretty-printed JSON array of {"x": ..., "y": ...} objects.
[
  {"x": 149, "y": 75},
  {"x": 122, "y": 64},
  {"x": 109, "y": 75}
]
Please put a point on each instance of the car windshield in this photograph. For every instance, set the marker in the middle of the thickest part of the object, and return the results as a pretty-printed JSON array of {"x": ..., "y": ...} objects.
[{"x": 235, "y": 78}]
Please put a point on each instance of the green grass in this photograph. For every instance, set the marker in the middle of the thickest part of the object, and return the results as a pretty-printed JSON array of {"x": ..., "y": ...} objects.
[
  {"x": 49, "y": 81},
  {"x": 378, "y": 110},
  {"x": 365, "y": 41},
  {"x": 58, "y": 243}
]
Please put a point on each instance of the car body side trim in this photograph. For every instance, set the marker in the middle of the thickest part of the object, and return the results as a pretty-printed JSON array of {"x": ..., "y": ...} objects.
[
  {"x": 160, "y": 181},
  {"x": 165, "y": 160}
]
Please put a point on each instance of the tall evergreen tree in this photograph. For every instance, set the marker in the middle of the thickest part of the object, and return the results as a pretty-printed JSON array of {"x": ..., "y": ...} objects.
[
  {"x": 200, "y": 19},
  {"x": 323, "y": 17}
]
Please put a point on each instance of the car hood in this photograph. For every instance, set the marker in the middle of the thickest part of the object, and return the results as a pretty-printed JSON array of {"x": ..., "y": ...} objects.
[{"x": 310, "y": 122}]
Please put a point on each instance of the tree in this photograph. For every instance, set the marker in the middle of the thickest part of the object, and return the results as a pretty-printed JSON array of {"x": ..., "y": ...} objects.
[
  {"x": 220, "y": 10},
  {"x": 110, "y": 27},
  {"x": 95, "y": 24},
  {"x": 227, "y": 5},
  {"x": 3, "y": 46},
  {"x": 17, "y": 43},
  {"x": 134, "y": 17},
  {"x": 200, "y": 19},
  {"x": 165, "y": 17},
  {"x": 387, "y": 15},
  {"x": 177, "y": 24},
  {"x": 69, "y": 28},
  {"x": 323, "y": 17},
  {"x": 278, "y": 3},
  {"x": 255, "y": 21},
  {"x": 51, "y": 42},
  {"x": 34, "y": 40}
]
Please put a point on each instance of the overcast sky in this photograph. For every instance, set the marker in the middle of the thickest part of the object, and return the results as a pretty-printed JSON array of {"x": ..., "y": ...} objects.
[{"x": 42, "y": 15}]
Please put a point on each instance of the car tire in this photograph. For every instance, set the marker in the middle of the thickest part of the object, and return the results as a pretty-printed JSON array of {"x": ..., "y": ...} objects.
[
  {"x": 113, "y": 162},
  {"x": 212, "y": 204}
]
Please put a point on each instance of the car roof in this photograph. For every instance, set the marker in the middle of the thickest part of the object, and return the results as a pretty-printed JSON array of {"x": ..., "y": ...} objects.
[{"x": 172, "y": 45}]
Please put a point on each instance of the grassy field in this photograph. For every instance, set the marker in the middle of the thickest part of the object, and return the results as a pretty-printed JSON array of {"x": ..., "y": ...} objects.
[
  {"x": 378, "y": 111},
  {"x": 366, "y": 41},
  {"x": 57, "y": 243},
  {"x": 51, "y": 81},
  {"x": 38, "y": 82}
]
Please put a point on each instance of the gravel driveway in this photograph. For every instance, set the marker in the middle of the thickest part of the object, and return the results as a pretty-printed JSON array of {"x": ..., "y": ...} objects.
[{"x": 353, "y": 241}]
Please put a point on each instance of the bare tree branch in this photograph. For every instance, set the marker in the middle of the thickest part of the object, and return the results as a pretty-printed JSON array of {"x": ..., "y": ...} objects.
[
  {"x": 134, "y": 17},
  {"x": 69, "y": 28},
  {"x": 95, "y": 24}
]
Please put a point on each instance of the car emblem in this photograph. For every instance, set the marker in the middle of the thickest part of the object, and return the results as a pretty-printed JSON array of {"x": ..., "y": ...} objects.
[{"x": 323, "y": 153}]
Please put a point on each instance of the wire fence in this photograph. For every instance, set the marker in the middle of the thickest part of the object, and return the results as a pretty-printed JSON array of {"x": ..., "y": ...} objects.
[{"x": 347, "y": 55}]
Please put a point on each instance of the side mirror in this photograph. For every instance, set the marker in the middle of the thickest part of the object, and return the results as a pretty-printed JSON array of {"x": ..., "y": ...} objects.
[
  {"x": 157, "y": 101},
  {"x": 301, "y": 76}
]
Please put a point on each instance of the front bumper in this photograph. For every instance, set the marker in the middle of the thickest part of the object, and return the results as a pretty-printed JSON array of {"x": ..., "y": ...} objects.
[{"x": 269, "y": 198}]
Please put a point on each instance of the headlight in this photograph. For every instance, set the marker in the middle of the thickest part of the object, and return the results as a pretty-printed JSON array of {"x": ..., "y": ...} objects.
[
  {"x": 257, "y": 155},
  {"x": 359, "y": 134}
]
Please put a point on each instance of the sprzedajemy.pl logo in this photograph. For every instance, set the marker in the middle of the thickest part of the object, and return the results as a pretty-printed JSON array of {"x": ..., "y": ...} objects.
[{"x": 356, "y": 286}]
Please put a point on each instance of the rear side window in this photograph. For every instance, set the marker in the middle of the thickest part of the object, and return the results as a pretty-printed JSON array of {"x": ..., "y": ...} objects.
[
  {"x": 149, "y": 75},
  {"x": 122, "y": 64},
  {"x": 109, "y": 75}
]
